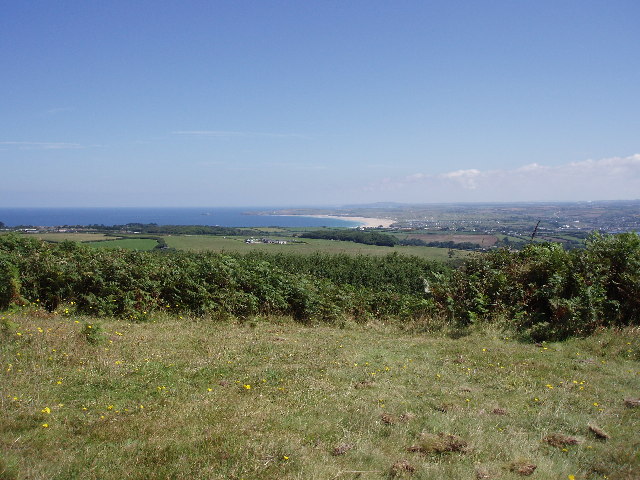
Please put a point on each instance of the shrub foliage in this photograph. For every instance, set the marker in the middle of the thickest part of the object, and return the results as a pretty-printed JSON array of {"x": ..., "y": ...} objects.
[
  {"x": 357, "y": 236},
  {"x": 547, "y": 292},
  {"x": 542, "y": 291}
]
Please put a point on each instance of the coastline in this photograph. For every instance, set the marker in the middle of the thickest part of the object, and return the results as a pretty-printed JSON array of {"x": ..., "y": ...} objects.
[{"x": 367, "y": 222}]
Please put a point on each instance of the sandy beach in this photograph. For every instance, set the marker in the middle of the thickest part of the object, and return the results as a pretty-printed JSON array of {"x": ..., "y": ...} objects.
[{"x": 365, "y": 221}]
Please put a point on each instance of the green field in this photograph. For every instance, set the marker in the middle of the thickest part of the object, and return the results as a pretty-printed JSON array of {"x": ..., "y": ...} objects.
[
  {"x": 236, "y": 244},
  {"x": 98, "y": 240},
  {"x": 74, "y": 237},
  {"x": 127, "y": 243},
  {"x": 271, "y": 399}
]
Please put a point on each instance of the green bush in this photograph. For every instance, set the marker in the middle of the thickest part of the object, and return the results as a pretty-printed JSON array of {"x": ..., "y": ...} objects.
[
  {"x": 93, "y": 332},
  {"x": 549, "y": 293},
  {"x": 542, "y": 291},
  {"x": 9, "y": 282}
]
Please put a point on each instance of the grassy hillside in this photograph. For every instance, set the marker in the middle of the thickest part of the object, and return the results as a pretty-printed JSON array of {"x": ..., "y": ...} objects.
[{"x": 272, "y": 399}]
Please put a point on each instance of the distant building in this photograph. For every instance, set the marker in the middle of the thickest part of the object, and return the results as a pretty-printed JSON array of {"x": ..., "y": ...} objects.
[{"x": 266, "y": 240}]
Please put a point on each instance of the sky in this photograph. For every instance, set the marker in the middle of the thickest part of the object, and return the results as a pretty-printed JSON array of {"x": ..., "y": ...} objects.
[{"x": 303, "y": 103}]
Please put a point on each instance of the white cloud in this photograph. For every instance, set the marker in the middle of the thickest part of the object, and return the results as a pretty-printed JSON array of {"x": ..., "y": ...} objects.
[
  {"x": 466, "y": 178},
  {"x": 609, "y": 178}
]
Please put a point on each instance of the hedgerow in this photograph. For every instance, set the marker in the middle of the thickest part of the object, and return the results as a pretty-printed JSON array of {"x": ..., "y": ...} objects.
[
  {"x": 542, "y": 291},
  {"x": 546, "y": 292},
  {"x": 133, "y": 284}
]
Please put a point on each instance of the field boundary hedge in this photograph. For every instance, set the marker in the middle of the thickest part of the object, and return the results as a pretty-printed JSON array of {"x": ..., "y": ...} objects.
[{"x": 541, "y": 291}]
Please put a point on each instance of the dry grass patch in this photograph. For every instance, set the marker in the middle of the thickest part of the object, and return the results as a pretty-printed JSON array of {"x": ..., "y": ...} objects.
[
  {"x": 598, "y": 432},
  {"x": 402, "y": 468},
  {"x": 559, "y": 440},
  {"x": 523, "y": 467},
  {"x": 342, "y": 449},
  {"x": 483, "y": 473},
  {"x": 439, "y": 444}
]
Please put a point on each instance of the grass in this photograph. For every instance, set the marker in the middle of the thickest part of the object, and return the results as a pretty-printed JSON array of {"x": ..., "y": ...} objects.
[
  {"x": 266, "y": 399},
  {"x": 236, "y": 244},
  {"x": 127, "y": 243},
  {"x": 74, "y": 237},
  {"x": 457, "y": 237},
  {"x": 99, "y": 240}
]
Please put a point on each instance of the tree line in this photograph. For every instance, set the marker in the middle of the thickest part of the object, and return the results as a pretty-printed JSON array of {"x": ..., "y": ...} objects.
[{"x": 357, "y": 236}]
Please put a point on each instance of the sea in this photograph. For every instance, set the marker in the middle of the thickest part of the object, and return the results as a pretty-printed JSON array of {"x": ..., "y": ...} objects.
[{"x": 224, "y": 217}]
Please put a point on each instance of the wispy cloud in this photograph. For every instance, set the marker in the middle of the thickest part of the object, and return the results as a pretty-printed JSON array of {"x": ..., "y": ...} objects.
[
  {"x": 43, "y": 145},
  {"x": 232, "y": 134},
  {"x": 609, "y": 178}
]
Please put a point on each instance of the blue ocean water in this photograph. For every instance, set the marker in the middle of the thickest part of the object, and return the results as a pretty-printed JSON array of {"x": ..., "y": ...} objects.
[{"x": 224, "y": 217}]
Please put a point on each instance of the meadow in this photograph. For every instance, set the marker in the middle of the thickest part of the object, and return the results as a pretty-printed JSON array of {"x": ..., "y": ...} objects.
[
  {"x": 126, "y": 243},
  {"x": 98, "y": 240},
  {"x": 236, "y": 244},
  {"x": 74, "y": 237},
  {"x": 307, "y": 246},
  {"x": 269, "y": 398},
  {"x": 168, "y": 364}
]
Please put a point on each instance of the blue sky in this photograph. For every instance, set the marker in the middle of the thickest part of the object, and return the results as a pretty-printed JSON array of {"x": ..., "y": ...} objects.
[{"x": 236, "y": 103}]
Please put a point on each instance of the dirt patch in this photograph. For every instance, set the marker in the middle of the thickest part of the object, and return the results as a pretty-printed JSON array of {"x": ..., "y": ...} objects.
[
  {"x": 401, "y": 468},
  {"x": 364, "y": 384},
  {"x": 388, "y": 419},
  {"x": 598, "y": 432},
  {"x": 447, "y": 407},
  {"x": 342, "y": 449},
  {"x": 407, "y": 417},
  {"x": 439, "y": 444},
  {"x": 559, "y": 440},
  {"x": 632, "y": 402},
  {"x": 522, "y": 467}
]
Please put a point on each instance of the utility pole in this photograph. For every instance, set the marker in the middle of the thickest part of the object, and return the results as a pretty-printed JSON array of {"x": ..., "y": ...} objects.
[{"x": 535, "y": 230}]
